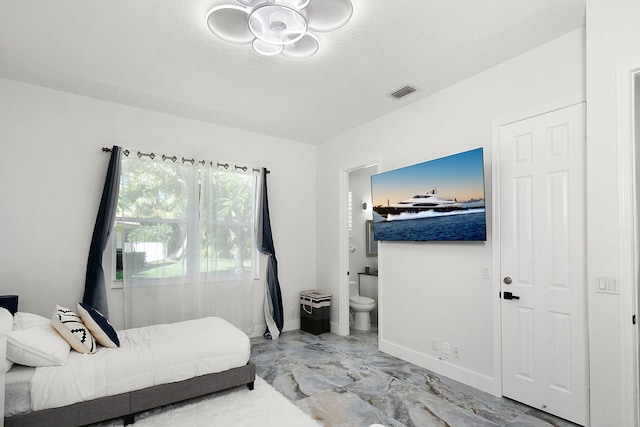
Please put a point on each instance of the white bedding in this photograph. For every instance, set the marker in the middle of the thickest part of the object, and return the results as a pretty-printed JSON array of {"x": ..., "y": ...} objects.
[{"x": 147, "y": 356}]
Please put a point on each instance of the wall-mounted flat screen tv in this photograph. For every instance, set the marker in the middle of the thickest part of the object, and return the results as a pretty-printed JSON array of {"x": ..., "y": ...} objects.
[{"x": 441, "y": 199}]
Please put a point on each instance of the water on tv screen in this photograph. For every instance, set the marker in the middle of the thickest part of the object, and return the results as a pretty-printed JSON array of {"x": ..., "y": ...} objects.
[{"x": 441, "y": 199}]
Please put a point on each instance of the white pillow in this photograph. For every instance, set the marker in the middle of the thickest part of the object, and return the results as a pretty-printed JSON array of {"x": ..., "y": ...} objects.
[
  {"x": 6, "y": 325},
  {"x": 6, "y": 321},
  {"x": 37, "y": 347},
  {"x": 29, "y": 320},
  {"x": 73, "y": 330}
]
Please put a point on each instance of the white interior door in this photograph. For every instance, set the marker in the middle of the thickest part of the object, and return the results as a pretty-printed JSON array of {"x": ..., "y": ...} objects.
[{"x": 543, "y": 255}]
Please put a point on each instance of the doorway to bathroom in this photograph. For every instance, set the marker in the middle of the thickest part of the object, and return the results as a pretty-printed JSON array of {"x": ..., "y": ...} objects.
[{"x": 362, "y": 252}]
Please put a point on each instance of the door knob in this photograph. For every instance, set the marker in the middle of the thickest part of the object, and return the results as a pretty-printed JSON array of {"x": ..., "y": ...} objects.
[{"x": 507, "y": 280}]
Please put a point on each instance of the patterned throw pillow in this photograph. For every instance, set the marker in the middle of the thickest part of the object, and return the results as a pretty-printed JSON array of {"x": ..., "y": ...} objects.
[
  {"x": 99, "y": 326},
  {"x": 70, "y": 326}
]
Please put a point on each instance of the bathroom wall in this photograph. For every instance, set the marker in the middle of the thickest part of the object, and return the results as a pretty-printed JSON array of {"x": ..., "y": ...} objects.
[{"x": 360, "y": 184}]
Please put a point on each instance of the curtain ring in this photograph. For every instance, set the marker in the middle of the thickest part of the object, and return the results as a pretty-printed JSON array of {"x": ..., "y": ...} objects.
[{"x": 150, "y": 155}]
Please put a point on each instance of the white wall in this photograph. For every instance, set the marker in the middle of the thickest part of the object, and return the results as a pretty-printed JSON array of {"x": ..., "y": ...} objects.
[
  {"x": 435, "y": 290},
  {"x": 612, "y": 41},
  {"x": 360, "y": 181},
  {"x": 52, "y": 172}
]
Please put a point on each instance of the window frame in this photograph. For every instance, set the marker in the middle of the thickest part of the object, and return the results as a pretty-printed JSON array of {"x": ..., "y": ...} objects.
[{"x": 194, "y": 271}]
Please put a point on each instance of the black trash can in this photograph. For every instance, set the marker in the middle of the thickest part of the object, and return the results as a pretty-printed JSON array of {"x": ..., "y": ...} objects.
[{"x": 314, "y": 311}]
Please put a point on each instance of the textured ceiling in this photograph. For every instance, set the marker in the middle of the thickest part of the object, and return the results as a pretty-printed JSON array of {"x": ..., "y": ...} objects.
[{"x": 160, "y": 55}]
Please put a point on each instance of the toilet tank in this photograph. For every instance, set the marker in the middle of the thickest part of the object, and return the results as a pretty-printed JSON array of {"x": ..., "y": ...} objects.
[
  {"x": 353, "y": 288},
  {"x": 369, "y": 286}
]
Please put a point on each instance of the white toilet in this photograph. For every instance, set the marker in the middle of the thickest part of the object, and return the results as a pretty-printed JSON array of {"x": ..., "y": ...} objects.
[{"x": 361, "y": 306}]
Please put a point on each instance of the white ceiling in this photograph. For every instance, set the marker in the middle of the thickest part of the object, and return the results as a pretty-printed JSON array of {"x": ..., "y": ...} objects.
[{"x": 160, "y": 55}]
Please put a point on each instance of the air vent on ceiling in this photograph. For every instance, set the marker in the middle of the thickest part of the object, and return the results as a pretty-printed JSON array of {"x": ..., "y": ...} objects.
[{"x": 403, "y": 91}]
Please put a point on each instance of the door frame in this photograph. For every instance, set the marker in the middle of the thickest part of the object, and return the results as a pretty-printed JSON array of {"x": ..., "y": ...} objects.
[
  {"x": 628, "y": 241},
  {"x": 343, "y": 249},
  {"x": 495, "y": 223}
]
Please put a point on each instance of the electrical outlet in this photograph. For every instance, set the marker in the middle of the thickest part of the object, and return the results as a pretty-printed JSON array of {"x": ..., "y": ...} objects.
[
  {"x": 456, "y": 352},
  {"x": 434, "y": 344},
  {"x": 446, "y": 348},
  {"x": 292, "y": 312}
]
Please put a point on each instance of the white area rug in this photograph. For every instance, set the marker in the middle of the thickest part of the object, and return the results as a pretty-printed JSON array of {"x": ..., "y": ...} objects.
[{"x": 263, "y": 406}]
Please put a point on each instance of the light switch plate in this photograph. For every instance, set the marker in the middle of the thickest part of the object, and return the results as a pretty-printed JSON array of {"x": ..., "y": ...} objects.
[{"x": 607, "y": 285}]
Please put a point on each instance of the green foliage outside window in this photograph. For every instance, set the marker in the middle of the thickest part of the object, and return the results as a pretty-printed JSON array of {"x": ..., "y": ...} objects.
[{"x": 168, "y": 211}]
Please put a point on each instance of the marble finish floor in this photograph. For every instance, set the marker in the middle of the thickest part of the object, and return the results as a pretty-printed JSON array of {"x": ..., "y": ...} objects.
[{"x": 346, "y": 381}]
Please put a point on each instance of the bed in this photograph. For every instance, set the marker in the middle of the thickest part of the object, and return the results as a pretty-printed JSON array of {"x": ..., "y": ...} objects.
[{"x": 153, "y": 366}]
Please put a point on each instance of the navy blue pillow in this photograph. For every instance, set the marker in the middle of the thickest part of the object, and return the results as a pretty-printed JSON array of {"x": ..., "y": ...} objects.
[{"x": 99, "y": 326}]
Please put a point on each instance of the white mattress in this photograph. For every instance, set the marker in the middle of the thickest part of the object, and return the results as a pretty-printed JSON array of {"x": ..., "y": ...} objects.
[{"x": 147, "y": 356}]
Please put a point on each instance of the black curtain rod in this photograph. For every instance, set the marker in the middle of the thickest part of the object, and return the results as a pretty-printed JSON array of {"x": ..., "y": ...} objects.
[{"x": 185, "y": 160}]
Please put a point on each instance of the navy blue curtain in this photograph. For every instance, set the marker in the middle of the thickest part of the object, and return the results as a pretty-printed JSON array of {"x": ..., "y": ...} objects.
[
  {"x": 273, "y": 312},
  {"x": 95, "y": 290}
]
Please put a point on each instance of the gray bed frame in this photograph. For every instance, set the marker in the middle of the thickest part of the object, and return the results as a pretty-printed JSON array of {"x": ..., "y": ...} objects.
[{"x": 126, "y": 405}]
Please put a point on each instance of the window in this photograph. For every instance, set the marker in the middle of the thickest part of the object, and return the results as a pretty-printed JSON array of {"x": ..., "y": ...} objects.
[{"x": 178, "y": 220}]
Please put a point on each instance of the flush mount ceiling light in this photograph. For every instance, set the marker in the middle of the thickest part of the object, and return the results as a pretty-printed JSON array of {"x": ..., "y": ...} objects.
[{"x": 275, "y": 27}]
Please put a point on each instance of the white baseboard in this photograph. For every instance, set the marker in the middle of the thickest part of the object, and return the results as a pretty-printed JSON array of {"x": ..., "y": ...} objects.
[
  {"x": 443, "y": 367},
  {"x": 291, "y": 325},
  {"x": 335, "y": 328}
]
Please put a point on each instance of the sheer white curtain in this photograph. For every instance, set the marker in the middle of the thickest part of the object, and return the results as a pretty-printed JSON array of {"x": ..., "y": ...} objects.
[{"x": 187, "y": 242}]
